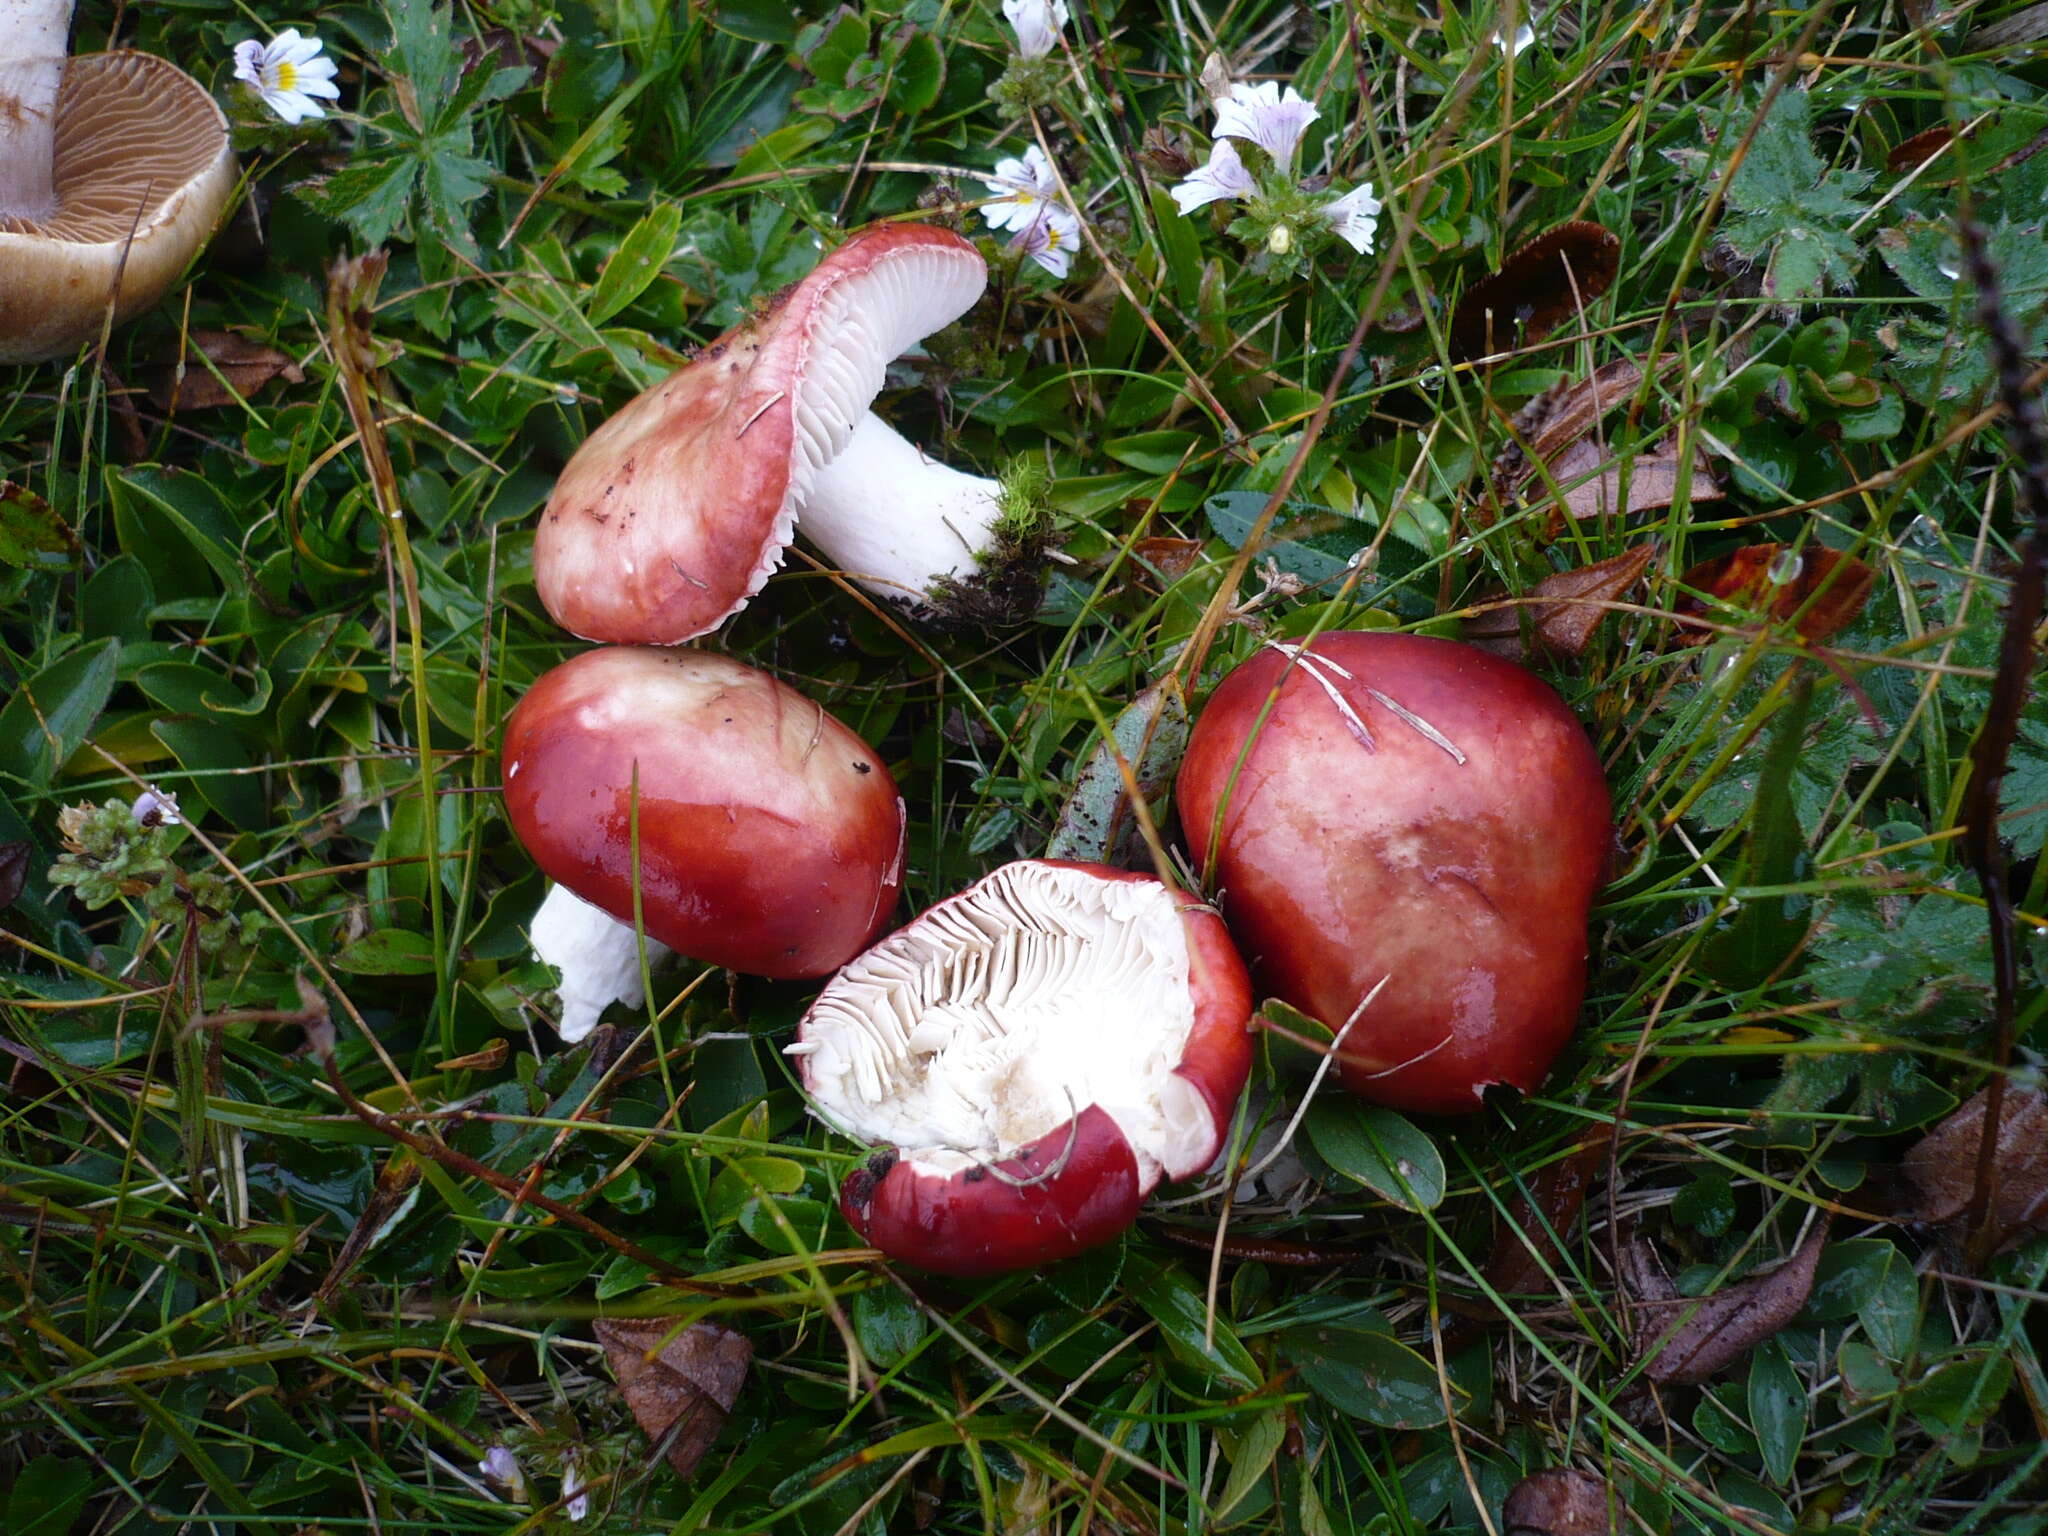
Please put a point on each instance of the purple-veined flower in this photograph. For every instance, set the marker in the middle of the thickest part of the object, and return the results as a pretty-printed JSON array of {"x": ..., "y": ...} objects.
[
  {"x": 1024, "y": 188},
  {"x": 1224, "y": 176},
  {"x": 287, "y": 73},
  {"x": 1051, "y": 238},
  {"x": 501, "y": 1468},
  {"x": 575, "y": 1500},
  {"x": 1271, "y": 118},
  {"x": 1037, "y": 24},
  {"x": 156, "y": 808},
  {"x": 1354, "y": 217}
]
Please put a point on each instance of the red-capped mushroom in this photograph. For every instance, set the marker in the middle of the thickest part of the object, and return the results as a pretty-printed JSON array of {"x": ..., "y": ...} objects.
[
  {"x": 770, "y": 836},
  {"x": 1035, "y": 1054},
  {"x": 675, "y": 512},
  {"x": 1390, "y": 808}
]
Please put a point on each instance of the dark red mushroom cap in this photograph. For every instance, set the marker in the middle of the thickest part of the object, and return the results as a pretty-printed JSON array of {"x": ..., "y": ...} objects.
[
  {"x": 676, "y": 511},
  {"x": 1413, "y": 811},
  {"x": 1035, "y": 1054},
  {"x": 771, "y": 836}
]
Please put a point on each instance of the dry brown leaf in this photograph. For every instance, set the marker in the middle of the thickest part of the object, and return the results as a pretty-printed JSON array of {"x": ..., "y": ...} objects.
[
  {"x": 1942, "y": 1166},
  {"x": 244, "y": 364},
  {"x": 1526, "y": 1246},
  {"x": 1690, "y": 1338},
  {"x": 680, "y": 1384},
  {"x": 1591, "y": 490},
  {"x": 1564, "y": 609},
  {"x": 1171, "y": 558},
  {"x": 1563, "y": 414},
  {"x": 1820, "y": 595},
  {"x": 1563, "y": 1502},
  {"x": 1536, "y": 290}
]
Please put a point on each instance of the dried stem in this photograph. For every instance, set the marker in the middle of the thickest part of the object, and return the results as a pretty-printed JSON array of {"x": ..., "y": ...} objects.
[{"x": 1990, "y": 752}]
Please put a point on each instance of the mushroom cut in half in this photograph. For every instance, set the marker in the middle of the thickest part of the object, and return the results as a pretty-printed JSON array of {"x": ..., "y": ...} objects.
[
  {"x": 1406, "y": 835},
  {"x": 673, "y": 514},
  {"x": 114, "y": 168},
  {"x": 767, "y": 836},
  {"x": 1034, "y": 1055}
]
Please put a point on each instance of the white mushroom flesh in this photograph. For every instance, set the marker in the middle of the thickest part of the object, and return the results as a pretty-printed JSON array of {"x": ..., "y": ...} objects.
[
  {"x": 1000, "y": 1015},
  {"x": 869, "y": 500},
  {"x": 33, "y": 41},
  {"x": 598, "y": 956}
]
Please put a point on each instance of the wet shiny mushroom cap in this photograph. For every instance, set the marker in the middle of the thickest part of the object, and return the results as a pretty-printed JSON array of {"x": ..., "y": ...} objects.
[{"x": 142, "y": 169}]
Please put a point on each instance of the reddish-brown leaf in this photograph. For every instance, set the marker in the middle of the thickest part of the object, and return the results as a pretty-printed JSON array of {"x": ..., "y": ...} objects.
[
  {"x": 1527, "y": 1244},
  {"x": 1687, "y": 1339},
  {"x": 1536, "y": 290},
  {"x": 13, "y": 872},
  {"x": 1819, "y": 590},
  {"x": 245, "y": 367},
  {"x": 1564, "y": 609},
  {"x": 1942, "y": 1166},
  {"x": 1910, "y": 154},
  {"x": 1171, "y": 558},
  {"x": 680, "y": 1383},
  {"x": 1563, "y": 1502}
]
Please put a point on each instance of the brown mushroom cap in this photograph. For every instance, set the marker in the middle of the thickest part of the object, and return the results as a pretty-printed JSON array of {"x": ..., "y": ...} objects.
[{"x": 143, "y": 169}]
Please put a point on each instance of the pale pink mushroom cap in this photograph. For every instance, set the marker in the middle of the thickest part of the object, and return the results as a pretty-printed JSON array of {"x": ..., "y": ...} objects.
[{"x": 673, "y": 514}]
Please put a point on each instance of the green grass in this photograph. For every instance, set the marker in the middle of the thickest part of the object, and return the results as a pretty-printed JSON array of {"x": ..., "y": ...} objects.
[{"x": 228, "y": 1304}]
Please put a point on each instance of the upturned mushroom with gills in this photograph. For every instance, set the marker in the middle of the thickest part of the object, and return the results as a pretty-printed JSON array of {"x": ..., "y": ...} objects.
[
  {"x": 676, "y": 511},
  {"x": 114, "y": 169},
  {"x": 1032, "y": 1056},
  {"x": 768, "y": 837},
  {"x": 1406, "y": 835}
]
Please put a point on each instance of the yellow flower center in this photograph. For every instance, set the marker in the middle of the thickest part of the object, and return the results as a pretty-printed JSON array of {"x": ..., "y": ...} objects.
[{"x": 287, "y": 75}]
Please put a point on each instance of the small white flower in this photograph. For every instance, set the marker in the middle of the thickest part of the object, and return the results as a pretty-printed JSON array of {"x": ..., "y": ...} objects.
[
  {"x": 156, "y": 808},
  {"x": 287, "y": 73},
  {"x": 1355, "y": 217},
  {"x": 1024, "y": 186},
  {"x": 575, "y": 1501},
  {"x": 1037, "y": 24},
  {"x": 1224, "y": 176},
  {"x": 501, "y": 1467},
  {"x": 1051, "y": 239},
  {"x": 1271, "y": 119},
  {"x": 1524, "y": 36}
]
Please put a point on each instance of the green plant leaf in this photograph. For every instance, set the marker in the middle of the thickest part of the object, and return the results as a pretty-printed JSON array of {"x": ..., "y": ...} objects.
[
  {"x": 1368, "y": 1375},
  {"x": 1378, "y": 1148}
]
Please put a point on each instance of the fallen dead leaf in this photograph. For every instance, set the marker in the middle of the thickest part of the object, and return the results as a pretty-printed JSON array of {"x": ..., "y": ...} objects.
[
  {"x": 245, "y": 366},
  {"x": 680, "y": 1384},
  {"x": 13, "y": 872},
  {"x": 1688, "y": 1339},
  {"x": 1560, "y": 1501},
  {"x": 1527, "y": 1244},
  {"x": 1171, "y": 558},
  {"x": 1819, "y": 590},
  {"x": 1536, "y": 290},
  {"x": 1564, "y": 608},
  {"x": 1910, "y": 154},
  {"x": 1942, "y": 1166}
]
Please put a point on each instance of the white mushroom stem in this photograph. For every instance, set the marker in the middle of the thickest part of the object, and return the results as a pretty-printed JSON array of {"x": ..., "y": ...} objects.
[
  {"x": 34, "y": 35},
  {"x": 598, "y": 956},
  {"x": 894, "y": 520}
]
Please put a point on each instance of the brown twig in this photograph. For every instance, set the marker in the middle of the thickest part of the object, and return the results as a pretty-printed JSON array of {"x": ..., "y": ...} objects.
[{"x": 1990, "y": 753}]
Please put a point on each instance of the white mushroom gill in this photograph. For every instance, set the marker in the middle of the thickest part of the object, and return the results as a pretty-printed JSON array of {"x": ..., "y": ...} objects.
[
  {"x": 871, "y": 502},
  {"x": 998, "y": 1016},
  {"x": 598, "y": 956}
]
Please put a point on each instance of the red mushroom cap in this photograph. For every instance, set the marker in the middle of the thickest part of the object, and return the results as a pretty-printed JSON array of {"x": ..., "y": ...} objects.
[
  {"x": 1414, "y": 811},
  {"x": 676, "y": 511},
  {"x": 1036, "y": 1054},
  {"x": 771, "y": 836}
]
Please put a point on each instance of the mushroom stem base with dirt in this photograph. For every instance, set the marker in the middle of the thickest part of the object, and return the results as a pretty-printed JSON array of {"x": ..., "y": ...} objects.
[
  {"x": 33, "y": 37},
  {"x": 896, "y": 521}
]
